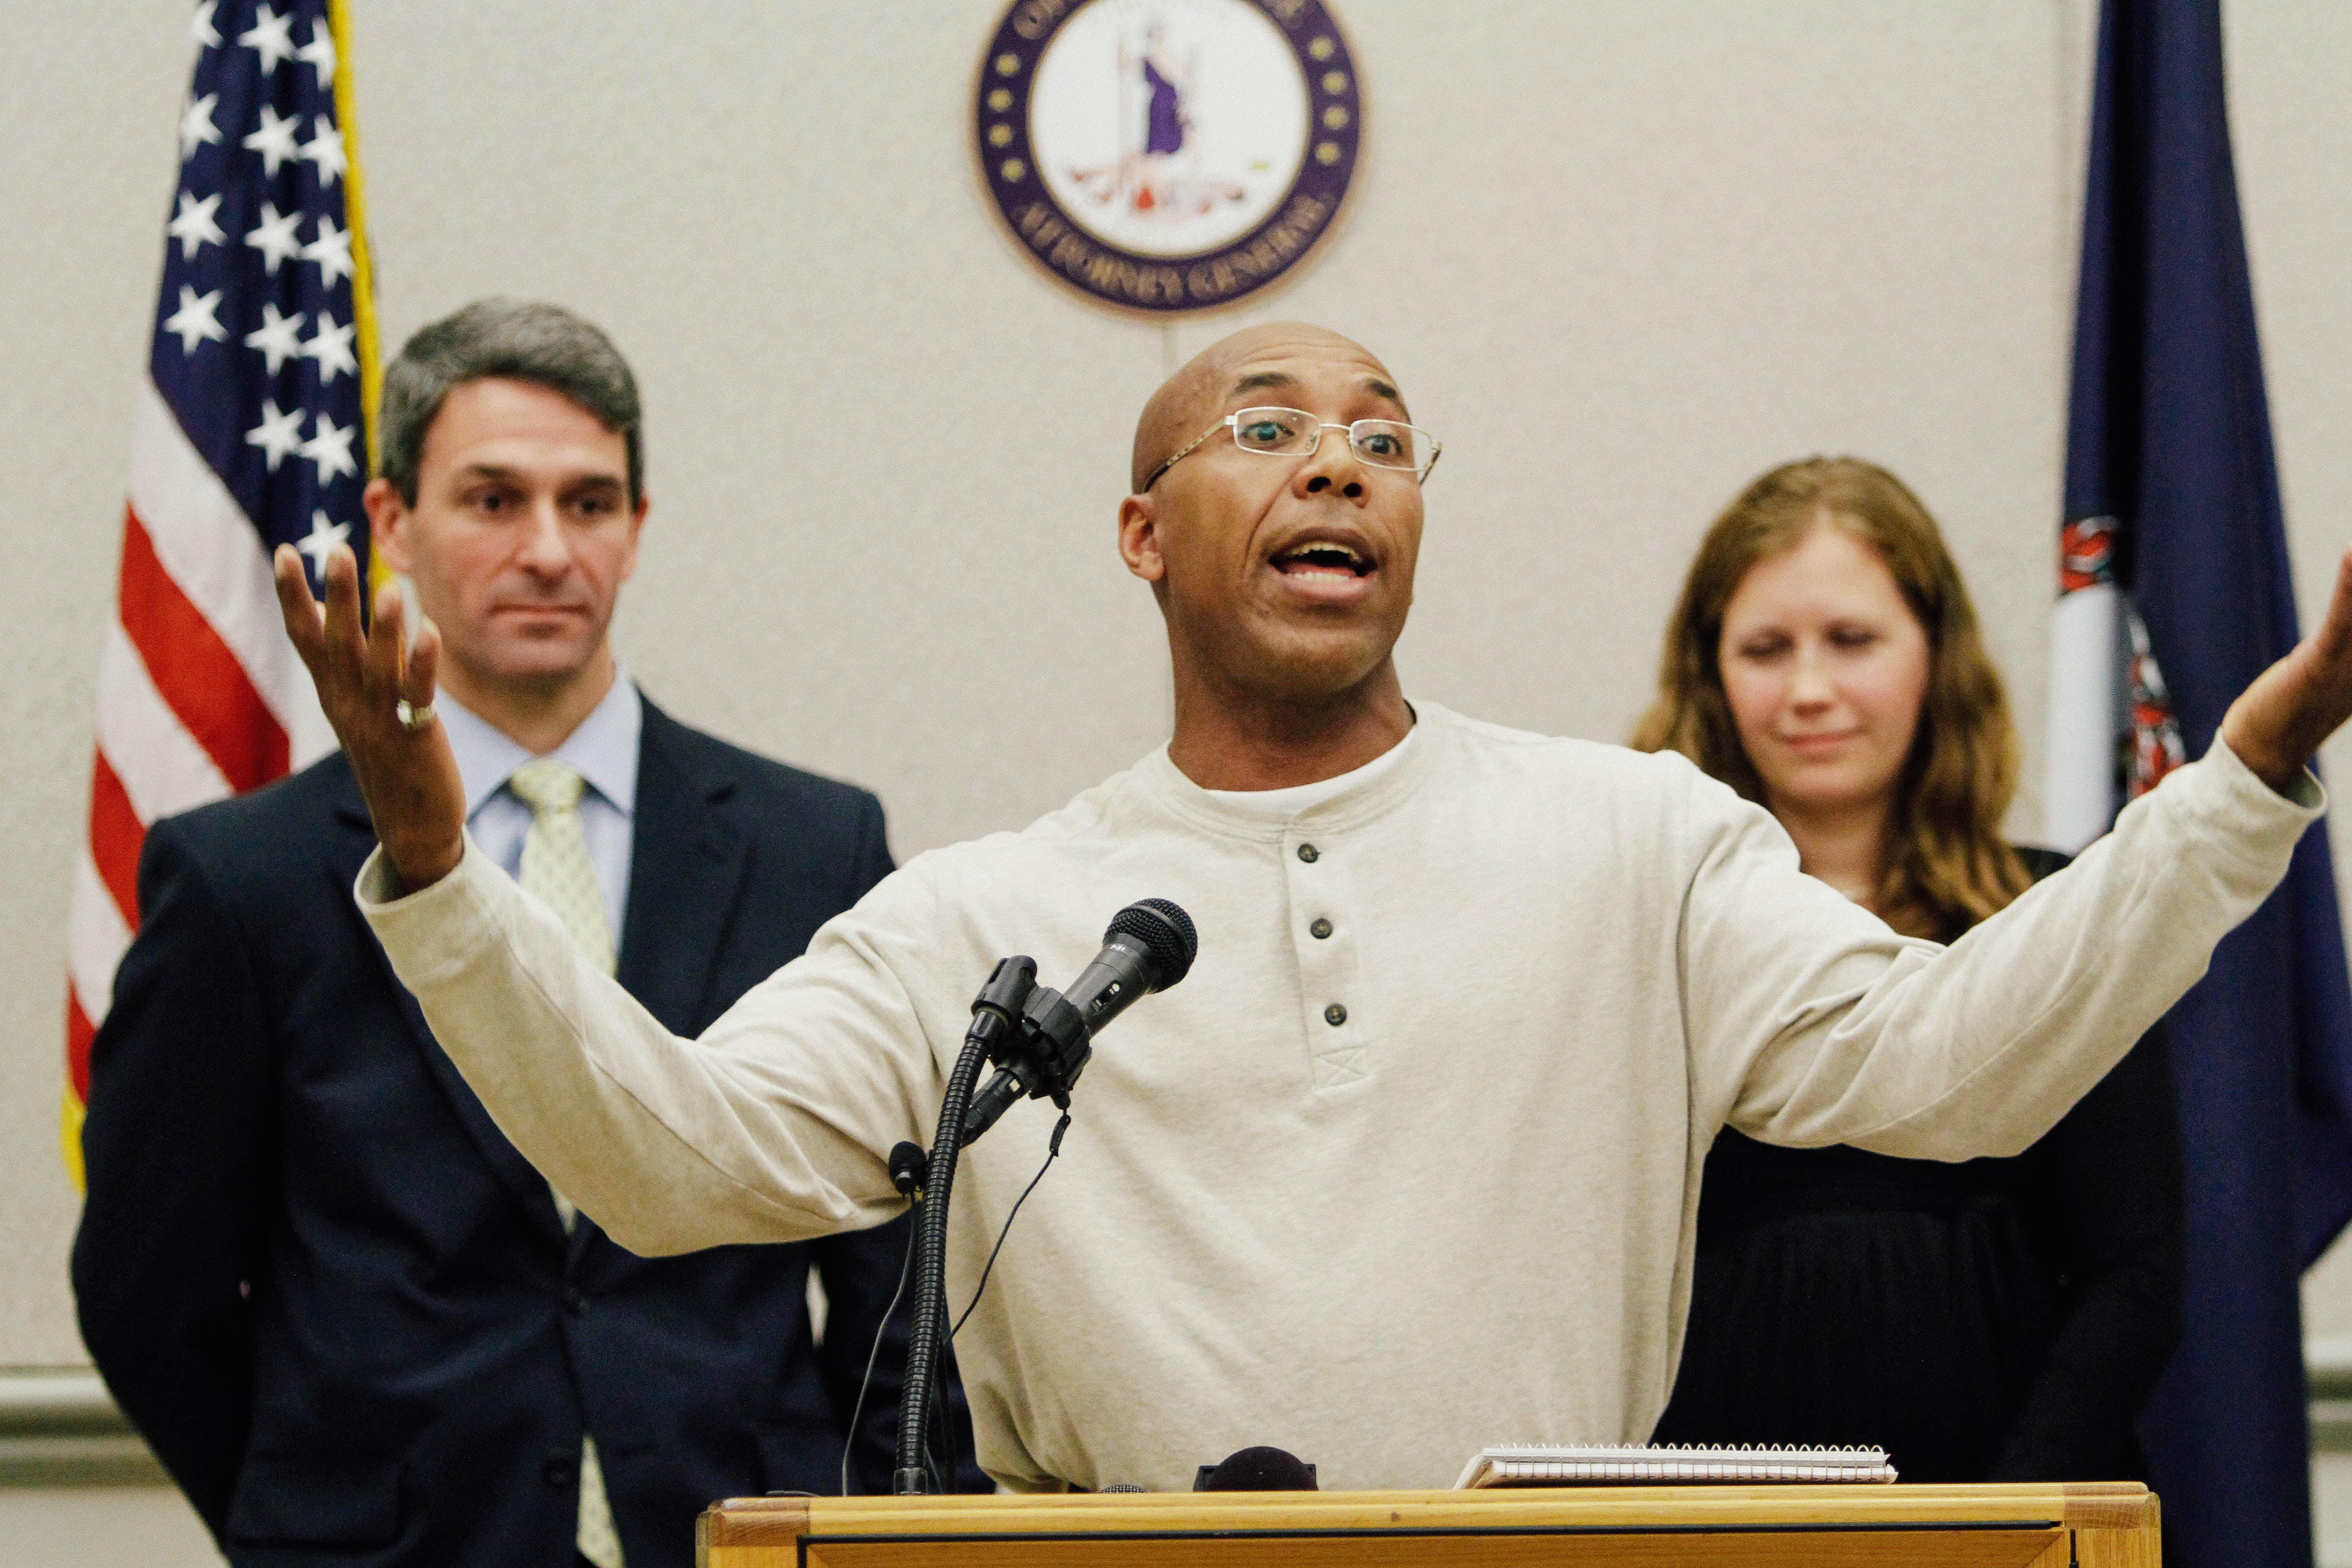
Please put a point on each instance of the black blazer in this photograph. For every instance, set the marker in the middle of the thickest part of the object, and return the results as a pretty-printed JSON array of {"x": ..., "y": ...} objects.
[{"x": 338, "y": 1303}]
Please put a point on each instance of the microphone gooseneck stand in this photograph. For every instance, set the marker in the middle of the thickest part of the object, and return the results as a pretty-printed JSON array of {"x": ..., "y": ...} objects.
[
  {"x": 995, "y": 1012},
  {"x": 1039, "y": 1041}
]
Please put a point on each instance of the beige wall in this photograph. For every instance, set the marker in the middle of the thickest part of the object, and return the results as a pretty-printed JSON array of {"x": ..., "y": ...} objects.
[
  {"x": 2293, "y": 123},
  {"x": 1622, "y": 256}
]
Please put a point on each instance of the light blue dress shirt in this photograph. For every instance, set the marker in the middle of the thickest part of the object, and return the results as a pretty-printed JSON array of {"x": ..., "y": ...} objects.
[{"x": 602, "y": 749}]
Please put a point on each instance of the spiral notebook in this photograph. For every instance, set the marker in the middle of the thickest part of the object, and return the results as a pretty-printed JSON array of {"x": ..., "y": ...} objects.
[{"x": 1628, "y": 1464}]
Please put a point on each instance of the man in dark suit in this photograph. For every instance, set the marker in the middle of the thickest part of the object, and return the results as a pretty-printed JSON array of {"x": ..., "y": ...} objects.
[{"x": 352, "y": 1321}]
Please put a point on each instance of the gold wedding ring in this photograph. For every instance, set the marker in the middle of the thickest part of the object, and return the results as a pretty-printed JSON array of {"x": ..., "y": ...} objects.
[{"x": 412, "y": 718}]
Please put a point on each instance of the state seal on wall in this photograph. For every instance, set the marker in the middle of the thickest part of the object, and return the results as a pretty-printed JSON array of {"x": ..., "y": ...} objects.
[{"x": 1166, "y": 156}]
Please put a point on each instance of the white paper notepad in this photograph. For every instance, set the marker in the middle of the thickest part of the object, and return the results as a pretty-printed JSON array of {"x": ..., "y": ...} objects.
[{"x": 1627, "y": 1465}]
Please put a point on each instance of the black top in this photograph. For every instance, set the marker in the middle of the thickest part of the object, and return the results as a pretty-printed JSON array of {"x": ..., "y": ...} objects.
[{"x": 1996, "y": 1319}]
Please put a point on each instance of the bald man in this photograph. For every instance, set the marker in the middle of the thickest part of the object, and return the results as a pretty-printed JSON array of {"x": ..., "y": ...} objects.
[{"x": 1408, "y": 1164}]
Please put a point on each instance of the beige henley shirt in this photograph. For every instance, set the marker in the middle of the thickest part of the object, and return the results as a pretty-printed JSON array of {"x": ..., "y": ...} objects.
[{"x": 1379, "y": 1197}]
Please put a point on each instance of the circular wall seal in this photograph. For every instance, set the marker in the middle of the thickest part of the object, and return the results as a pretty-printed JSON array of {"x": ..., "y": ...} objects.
[{"x": 1168, "y": 156}]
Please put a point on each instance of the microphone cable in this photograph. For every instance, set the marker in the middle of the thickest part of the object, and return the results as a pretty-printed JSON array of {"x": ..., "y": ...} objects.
[
  {"x": 858, "y": 1411},
  {"x": 1052, "y": 1149},
  {"x": 882, "y": 1328}
]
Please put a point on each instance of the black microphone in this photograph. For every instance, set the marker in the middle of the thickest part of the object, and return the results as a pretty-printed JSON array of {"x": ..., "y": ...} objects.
[
  {"x": 1260, "y": 1469},
  {"x": 1149, "y": 946},
  {"x": 910, "y": 1168}
]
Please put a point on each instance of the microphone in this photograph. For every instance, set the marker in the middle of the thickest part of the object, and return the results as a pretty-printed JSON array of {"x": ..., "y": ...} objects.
[
  {"x": 1149, "y": 946},
  {"x": 1260, "y": 1469},
  {"x": 910, "y": 1168}
]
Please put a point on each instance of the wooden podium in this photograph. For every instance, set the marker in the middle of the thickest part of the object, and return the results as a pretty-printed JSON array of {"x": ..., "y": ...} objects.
[{"x": 2078, "y": 1525}]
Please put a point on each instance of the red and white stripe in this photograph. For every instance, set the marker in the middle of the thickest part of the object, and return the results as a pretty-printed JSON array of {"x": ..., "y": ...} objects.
[
  {"x": 199, "y": 696},
  {"x": 2106, "y": 693}
]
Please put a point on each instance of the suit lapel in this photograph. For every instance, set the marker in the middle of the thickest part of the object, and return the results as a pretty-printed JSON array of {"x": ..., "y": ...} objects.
[
  {"x": 686, "y": 867},
  {"x": 514, "y": 1173}
]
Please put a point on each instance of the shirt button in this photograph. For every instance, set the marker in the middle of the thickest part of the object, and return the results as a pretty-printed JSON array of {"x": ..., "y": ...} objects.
[
  {"x": 1335, "y": 1015},
  {"x": 562, "y": 1470},
  {"x": 1306, "y": 852},
  {"x": 1320, "y": 928}
]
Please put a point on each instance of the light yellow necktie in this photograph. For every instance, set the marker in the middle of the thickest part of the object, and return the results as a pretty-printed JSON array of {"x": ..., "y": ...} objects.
[
  {"x": 555, "y": 863},
  {"x": 556, "y": 869}
]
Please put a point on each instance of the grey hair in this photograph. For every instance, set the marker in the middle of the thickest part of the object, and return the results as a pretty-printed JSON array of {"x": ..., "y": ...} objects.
[{"x": 516, "y": 340}]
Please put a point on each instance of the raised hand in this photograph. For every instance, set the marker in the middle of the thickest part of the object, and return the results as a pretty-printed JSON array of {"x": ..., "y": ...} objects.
[
  {"x": 2276, "y": 724},
  {"x": 406, "y": 771}
]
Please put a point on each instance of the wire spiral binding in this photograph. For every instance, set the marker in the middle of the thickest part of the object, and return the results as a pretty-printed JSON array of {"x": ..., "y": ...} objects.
[{"x": 1636, "y": 1463}]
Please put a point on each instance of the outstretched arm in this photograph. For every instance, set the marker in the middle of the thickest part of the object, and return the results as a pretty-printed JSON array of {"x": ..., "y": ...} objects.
[
  {"x": 1812, "y": 1024},
  {"x": 772, "y": 1127},
  {"x": 2277, "y": 723}
]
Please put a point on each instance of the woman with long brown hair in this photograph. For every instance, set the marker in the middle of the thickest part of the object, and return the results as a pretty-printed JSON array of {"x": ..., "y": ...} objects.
[{"x": 2001, "y": 1319}]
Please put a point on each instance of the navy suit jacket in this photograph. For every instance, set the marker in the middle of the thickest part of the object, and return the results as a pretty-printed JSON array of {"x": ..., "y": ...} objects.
[{"x": 338, "y": 1303}]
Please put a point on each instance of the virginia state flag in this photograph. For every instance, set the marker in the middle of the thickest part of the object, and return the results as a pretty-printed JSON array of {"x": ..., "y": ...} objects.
[{"x": 2175, "y": 592}]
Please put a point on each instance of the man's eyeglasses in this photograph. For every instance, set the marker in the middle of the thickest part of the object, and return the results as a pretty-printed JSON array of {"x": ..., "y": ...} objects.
[{"x": 1293, "y": 433}]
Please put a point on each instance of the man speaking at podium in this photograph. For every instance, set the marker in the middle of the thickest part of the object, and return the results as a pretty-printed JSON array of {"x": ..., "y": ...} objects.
[{"x": 1409, "y": 1164}]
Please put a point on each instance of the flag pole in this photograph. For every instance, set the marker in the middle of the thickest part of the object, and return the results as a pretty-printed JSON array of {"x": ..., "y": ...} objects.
[
  {"x": 339, "y": 20},
  {"x": 72, "y": 1114}
]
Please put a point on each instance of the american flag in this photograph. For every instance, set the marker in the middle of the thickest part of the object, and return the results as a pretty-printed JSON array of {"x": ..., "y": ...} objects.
[{"x": 252, "y": 429}]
